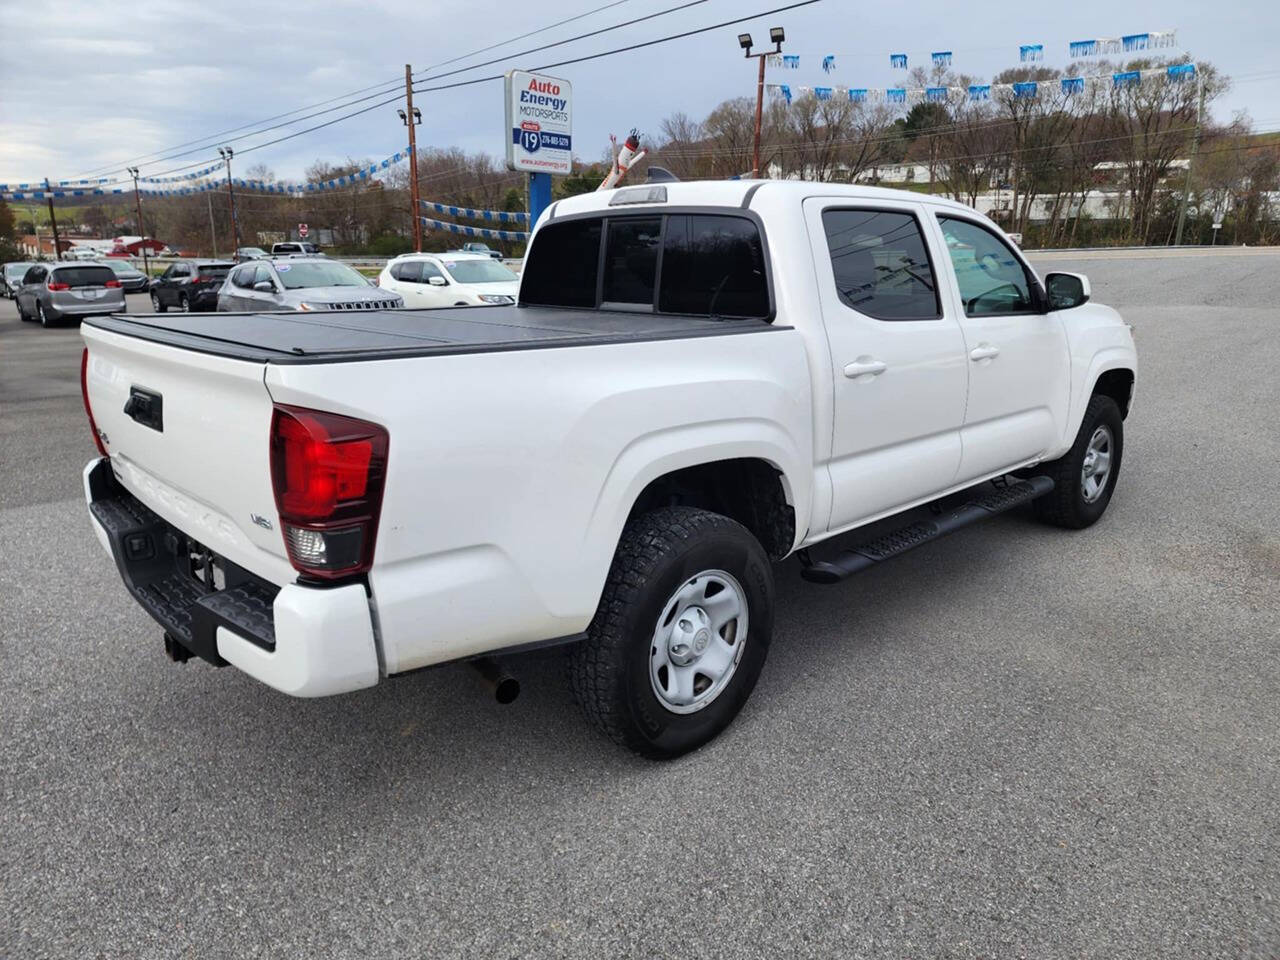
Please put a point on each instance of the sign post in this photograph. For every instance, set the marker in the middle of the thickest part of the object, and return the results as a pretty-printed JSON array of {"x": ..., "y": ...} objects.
[{"x": 539, "y": 132}]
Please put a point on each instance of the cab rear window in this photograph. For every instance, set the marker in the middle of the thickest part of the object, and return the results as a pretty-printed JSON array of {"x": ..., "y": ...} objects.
[
  {"x": 705, "y": 265},
  {"x": 84, "y": 276}
]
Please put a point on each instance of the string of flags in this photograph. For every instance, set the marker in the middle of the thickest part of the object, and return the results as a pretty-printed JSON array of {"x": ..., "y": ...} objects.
[
  {"x": 501, "y": 216},
  {"x": 515, "y": 236},
  {"x": 1028, "y": 90},
  {"x": 1027, "y": 52},
  {"x": 45, "y": 190},
  {"x": 194, "y": 175}
]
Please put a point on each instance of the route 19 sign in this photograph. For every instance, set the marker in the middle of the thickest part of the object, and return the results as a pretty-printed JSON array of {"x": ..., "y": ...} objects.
[{"x": 539, "y": 123}]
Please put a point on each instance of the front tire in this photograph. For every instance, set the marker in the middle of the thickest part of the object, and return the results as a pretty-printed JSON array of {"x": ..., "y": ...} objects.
[
  {"x": 1085, "y": 478},
  {"x": 156, "y": 305},
  {"x": 681, "y": 633}
]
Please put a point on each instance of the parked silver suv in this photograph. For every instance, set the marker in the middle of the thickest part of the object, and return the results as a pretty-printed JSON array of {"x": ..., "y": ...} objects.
[
  {"x": 54, "y": 291},
  {"x": 301, "y": 283}
]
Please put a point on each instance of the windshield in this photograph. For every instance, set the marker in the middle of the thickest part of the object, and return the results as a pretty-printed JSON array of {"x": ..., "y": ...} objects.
[
  {"x": 296, "y": 274},
  {"x": 12, "y": 270},
  {"x": 253, "y": 251},
  {"x": 122, "y": 266},
  {"x": 479, "y": 271}
]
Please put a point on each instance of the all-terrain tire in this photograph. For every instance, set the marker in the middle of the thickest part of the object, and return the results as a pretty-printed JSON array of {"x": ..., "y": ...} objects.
[
  {"x": 1069, "y": 503},
  {"x": 609, "y": 672}
]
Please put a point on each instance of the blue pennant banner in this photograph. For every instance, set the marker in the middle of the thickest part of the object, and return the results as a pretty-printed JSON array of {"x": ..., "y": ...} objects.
[
  {"x": 1129, "y": 78},
  {"x": 1072, "y": 85},
  {"x": 896, "y": 95},
  {"x": 941, "y": 58},
  {"x": 515, "y": 236},
  {"x": 791, "y": 61},
  {"x": 1181, "y": 71},
  {"x": 822, "y": 93},
  {"x": 828, "y": 63},
  {"x": 936, "y": 94},
  {"x": 898, "y": 61},
  {"x": 857, "y": 94},
  {"x": 1031, "y": 51},
  {"x": 1025, "y": 91},
  {"x": 466, "y": 213},
  {"x": 980, "y": 91},
  {"x": 196, "y": 175}
]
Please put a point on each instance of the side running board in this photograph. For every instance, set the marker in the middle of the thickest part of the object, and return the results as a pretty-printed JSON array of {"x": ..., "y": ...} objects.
[{"x": 896, "y": 542}]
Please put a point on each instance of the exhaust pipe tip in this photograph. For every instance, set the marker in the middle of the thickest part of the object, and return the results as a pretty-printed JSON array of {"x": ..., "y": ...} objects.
[{"x": 505, "y": 688}]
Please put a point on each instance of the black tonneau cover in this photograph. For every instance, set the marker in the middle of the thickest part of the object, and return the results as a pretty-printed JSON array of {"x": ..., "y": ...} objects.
[{"x": 331, "y": 336}]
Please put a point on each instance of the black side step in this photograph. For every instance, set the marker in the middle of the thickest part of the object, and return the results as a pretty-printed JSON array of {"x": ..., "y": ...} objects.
[{"x": 849, "y": 562}]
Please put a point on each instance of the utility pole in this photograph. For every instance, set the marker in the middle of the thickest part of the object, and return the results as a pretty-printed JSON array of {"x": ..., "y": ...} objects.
[
  {"x": 213, "y": 235},
  {"x": 776, "y": 36},
  {"x": 53, "y": 222},
  {"x": 411, "y": 119},
  {"x": 227, "y": 153},
  {"x": 142, "y": 233},
  {"x": 1195, "y": 148}
]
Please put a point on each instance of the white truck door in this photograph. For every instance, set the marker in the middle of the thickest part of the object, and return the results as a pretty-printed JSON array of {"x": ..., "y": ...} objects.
[
  {"x": 1019, "y": 374},
  {"x": 898, "y": 357}
]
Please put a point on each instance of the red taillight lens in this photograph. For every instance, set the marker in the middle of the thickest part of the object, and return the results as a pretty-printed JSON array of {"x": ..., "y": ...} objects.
[
  {"x": 113, "y": 283},
  {"x": 84, "y": 395},
  {"x": 57, "y": 287},
  {"x": 327, "y": 471}
]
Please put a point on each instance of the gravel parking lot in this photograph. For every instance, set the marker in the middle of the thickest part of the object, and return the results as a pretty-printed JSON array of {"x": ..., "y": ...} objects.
[{"x": 1015, "y": 742}]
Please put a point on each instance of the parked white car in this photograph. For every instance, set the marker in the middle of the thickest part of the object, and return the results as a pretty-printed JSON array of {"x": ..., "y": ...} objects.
[
  {"x": 699, "y": 380},
  {"x": 449, "y": 280}
]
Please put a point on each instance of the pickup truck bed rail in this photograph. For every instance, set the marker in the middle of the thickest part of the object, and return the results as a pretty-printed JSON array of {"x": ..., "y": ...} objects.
[{"x": 338, "y": 335}]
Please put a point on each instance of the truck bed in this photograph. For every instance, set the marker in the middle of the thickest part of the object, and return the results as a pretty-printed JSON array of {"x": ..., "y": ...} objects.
[{"x": 333, "y": 336}]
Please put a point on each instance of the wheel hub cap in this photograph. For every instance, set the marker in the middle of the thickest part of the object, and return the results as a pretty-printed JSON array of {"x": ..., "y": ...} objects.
[
  {"x": 1096, "y": 470},
  {"x": 698, "y": 642}
]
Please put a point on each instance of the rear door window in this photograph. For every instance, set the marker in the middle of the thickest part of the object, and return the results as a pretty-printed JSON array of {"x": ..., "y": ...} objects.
[
  {"x": 215, "y": 271},
  {"x": 409, "y": 271},
  {"x": 84, "y": 276},
  {"x": 713, "y": 266},
  {"x": 881, "y": 264}
]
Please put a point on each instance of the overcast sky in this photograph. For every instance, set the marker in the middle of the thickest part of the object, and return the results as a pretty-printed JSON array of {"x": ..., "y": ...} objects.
[{"x": 90, "y": 85}]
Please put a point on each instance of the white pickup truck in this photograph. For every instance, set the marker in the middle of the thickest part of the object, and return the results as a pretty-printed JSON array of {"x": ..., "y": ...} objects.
[{"x": 699, "y": 380}]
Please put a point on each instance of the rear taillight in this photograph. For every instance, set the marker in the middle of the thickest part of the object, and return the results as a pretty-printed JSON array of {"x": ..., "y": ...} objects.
[
  {"x": 327, "y": 471},
  {"x": 84, "y": 395},
  {"x": 57, "y": 287},
  {"x": 198, "y": 279},
  {"x": 113, "y": 283}
]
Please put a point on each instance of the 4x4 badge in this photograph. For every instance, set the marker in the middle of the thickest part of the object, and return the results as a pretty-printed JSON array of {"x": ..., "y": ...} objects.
[{"x": 263, "y": 522}]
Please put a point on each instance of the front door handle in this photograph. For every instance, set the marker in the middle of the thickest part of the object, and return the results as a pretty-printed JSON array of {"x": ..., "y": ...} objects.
[
  {"x": 865, "y": 365},
  {"x": 984, "y": 352}
]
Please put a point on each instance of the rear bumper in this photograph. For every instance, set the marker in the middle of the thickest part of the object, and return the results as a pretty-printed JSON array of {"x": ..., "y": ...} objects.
[
  {"x": 303, "y": 641},
  {"x": 78, "y": 308}
]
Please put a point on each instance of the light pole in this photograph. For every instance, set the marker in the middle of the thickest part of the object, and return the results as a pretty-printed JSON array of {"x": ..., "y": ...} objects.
[
  {"x": 227, "y": 153},
  {"x": 776, "y": 36},
  {"x": 416, "y": 116},
  {"x": 142, "y": 233}
]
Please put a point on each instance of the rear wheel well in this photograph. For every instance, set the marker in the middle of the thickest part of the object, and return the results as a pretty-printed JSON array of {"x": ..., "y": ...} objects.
[
  {"x": 1118, "y": 385},
  {"x": 749, "y": 491}
]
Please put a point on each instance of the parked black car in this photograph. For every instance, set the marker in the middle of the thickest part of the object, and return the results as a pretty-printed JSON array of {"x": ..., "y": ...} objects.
[{"x": 189, "y": 285}]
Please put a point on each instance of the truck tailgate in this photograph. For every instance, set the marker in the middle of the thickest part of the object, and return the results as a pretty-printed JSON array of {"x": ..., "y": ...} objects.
[{"x": 193, "y": 445}]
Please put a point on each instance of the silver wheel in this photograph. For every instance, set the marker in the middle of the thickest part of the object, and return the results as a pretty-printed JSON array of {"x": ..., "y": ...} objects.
[
  {"x": 184, "y": 305},
  {"x": 44, "y": 317},
  {"x": 1097, "y": 464},
  {"x": 155, "y": 302},
  {"x": 698, "y": 642}
]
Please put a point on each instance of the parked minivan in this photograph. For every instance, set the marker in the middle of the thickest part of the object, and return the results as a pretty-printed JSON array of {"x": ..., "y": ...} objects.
[{"x": 54, "y": 291}]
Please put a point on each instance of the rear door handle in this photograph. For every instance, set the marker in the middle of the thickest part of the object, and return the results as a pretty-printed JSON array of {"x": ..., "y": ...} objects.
[
  {"x": 865, "y": 365},
  {"x": 984, "y": 352}
]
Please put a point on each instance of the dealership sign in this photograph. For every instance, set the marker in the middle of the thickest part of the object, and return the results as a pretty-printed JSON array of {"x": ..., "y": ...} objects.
[{"x": 539, "y": 123}]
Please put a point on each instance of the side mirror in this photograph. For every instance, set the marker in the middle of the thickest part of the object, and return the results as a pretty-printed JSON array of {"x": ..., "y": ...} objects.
[
  {"x": 265, "y": 286},
  {"x": 1066, "y": 290},
  {"x": 437, "y": 281}
]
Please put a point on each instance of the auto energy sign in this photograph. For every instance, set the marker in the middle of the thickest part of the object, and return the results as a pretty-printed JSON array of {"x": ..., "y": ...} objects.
[{"x": 539, "y": 123}]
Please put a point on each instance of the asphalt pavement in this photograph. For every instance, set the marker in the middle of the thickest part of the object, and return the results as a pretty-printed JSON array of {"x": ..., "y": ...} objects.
[{"x": 1015, "y": 742}]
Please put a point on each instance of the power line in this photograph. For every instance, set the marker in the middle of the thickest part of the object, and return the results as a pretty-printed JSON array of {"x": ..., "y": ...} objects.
[{"x": 379, "y": 88}]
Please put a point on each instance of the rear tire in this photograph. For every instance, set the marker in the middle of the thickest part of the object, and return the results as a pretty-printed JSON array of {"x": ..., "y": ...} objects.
[
  {"x": 184, "y": 305},
  {"x": 1085, "y": 478},
  {"x": 46, "y": 321},
  {"x": 681, "y": 633}
]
